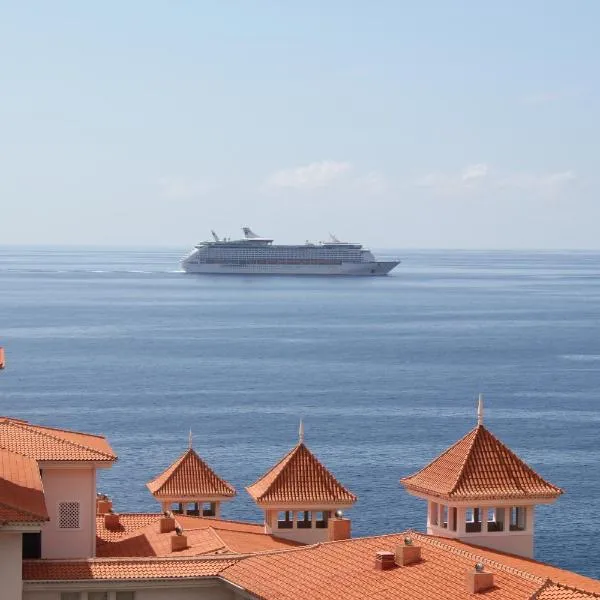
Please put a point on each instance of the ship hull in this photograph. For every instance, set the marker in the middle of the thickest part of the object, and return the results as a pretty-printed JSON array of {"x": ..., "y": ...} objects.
[{"x": 367, "y": 269}]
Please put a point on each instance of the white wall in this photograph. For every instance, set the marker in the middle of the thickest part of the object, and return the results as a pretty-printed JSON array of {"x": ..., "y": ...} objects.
[
  {"x": 10, "y": 565},
  {"x": 69, "y": 485}
]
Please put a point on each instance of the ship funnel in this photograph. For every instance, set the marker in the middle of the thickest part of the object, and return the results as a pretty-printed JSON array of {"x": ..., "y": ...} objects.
[{"x": 249, "y": 234}]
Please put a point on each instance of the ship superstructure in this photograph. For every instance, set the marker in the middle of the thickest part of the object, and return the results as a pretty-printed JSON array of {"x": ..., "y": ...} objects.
[{"x": 254, "y": 254}]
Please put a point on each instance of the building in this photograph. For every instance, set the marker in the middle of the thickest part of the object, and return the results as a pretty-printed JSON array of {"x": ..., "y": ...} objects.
[{"x": 59, "y": 540}]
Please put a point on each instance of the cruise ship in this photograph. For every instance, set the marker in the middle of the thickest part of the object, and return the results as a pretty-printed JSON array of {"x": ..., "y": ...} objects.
[{"x": 254, "y": 254}]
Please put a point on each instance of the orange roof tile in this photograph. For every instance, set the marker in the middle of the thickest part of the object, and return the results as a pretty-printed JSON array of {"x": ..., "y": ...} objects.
[
  {"x": 479, "y": 467},
  {"x": 345, "y": 571},
  {"x": 122, "y": 569},
  {"x": 555, "y": 591},
  {"x": 139, "y": 535},
  {"x": 189, "y": 477},
  {"x": 49, "y": 444},
  {"x": 21, "y": 491},
  {"x": 555, "y": 574},
  {"x": 299, "y": 477}
]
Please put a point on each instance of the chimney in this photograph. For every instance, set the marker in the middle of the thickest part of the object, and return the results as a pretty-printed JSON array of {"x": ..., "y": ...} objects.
[
  {"x": 384, "y": 560},
  {"x": 407, "y": 554},
  {"x": 339, "y": 529},
  {"x": 111, "y": 520},
  {"x": 479, "y": 580},
  {"x": 167, "y": 524},
  {"x": 178, "y": 542},
  {"x": 103, "y": 504}
]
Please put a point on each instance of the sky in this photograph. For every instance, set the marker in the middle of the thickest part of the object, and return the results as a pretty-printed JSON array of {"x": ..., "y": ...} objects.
[{"x": 398, "y": 124}]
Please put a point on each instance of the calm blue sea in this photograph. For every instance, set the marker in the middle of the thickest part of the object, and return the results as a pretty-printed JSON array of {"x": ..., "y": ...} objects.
[{"x": 385, "y": 371}]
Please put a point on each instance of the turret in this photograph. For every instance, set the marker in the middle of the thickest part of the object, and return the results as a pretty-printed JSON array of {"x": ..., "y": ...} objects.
[
  {"x": 301, "y": 499},
  {"x": 480, "y": 492},
  {"x": 190, "y": 487}
]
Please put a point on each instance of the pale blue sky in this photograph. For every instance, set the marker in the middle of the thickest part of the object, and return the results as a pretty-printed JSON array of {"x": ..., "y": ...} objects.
[{"x": 462, "y": 124}]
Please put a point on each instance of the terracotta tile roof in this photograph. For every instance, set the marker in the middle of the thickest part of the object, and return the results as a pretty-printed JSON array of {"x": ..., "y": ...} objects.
[
  {"x": 345, "y": 571},
  {"x": 46, "y": 443},
  {"x": 299, "y": 477},
  {"x": 480, "y": 467},
  {"x": 123, "y": 569},
  {"x": 128, "y": 523},
  {"x": 139, "y": 535},
  {"x": 240, "y": 542},
  {"x": 555, "y": 591},
  {"x": 21, "y": 491},
  {"x": 543, "y": 570},
  {"x": 189, "y": 477}
]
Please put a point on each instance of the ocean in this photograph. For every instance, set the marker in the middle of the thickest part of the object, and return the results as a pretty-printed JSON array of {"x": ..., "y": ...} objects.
[{"x": 385, "y": 372}]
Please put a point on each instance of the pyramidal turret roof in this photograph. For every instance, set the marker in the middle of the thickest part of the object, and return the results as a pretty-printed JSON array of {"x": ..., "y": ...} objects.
[
  {"x": 189, "y": 477},
  {"x": 299, "y": 477},
  {"x": 480, "y": 467}
]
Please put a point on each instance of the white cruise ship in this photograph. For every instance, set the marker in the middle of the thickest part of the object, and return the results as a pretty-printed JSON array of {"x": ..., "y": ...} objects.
[{"x": 257, "y": 255}]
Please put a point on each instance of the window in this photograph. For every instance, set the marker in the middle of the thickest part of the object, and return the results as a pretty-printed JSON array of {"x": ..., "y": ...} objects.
[
  {"x": 322, "y": 519},
  {"x": 209, "y": 509},
  {"x": 97, "y": 596},
  {"x": 444, "y": 516},
  {"x": 473, "y": 520},
  {"x": 125, "y": 596},
  {"x": 68, "y": 515},
  {"x": 517, "y": 518},
  {"x": 495, "y": 519},
  {"x": 32, "y": 545},
  {"x": 304, "y": 519},
  {"x": 69, "y": 596},
  {"x": 285, "y": 520}
]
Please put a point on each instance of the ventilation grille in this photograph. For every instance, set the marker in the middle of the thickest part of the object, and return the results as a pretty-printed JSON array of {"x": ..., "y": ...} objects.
[{"x": 68, "y": 515}]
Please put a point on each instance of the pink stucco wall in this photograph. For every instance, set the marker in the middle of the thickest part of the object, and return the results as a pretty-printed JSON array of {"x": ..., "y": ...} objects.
[{"x": 63, "y": 484}]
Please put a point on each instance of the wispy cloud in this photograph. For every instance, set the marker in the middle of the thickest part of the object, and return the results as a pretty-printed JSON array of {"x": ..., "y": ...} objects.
[
  {"x": 480, "y": 176},
  {"x": 449, "y": 183},
  {"x": 547, "y": 183},
  {"x": 474, "y": 172},
  {"x": 313, "y": 175},
  {"x": 182, "y": 188}
]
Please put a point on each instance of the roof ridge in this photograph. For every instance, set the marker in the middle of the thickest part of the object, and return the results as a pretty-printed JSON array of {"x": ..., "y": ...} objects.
[
  {"x": 24, "y": 511},
  {"x": 461, "y": 472},
  {"x": 541, "y": 589},
  {"x": 516, "y": 457},
  {"x": 436, "y": 458},
  {"x": 173, "y": 469},
  {"x": 32, "y": 429},
  {"x": 284, "y": 459},
  {"x": 224, "y": 545},
  {"x": 551, "y": 583},
  {"x": 96, "y": 435},
  {"x": 433, "y": 541}
]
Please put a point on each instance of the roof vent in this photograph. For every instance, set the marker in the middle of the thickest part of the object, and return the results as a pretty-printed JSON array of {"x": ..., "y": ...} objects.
[
  {"x": 407, "y": 554},
  {"x": 479, "y": 580},
  {"x": 384, "y": 560},
  {"x": 112, "y": 520},
  {"x": 167, "y": 523},
  {"x": 178, "y": 542},
  {"x": 103, "y": 504}
]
